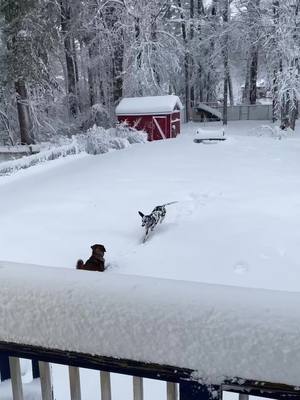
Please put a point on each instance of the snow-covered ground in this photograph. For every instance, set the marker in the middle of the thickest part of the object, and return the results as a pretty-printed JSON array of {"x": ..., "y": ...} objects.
[{"x": 236, "y": 221}]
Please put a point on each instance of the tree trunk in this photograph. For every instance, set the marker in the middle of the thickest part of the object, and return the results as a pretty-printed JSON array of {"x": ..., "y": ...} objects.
[
  {"x": 118, "y": 72},
  {"x": 274, "y": 98},
  {"x": 91, "y": 80},
  {"x": 230, "y": 89},
  {"x": 200, "y": 80},
  {"x": 247, "y": 85},
  {"x": 253, "y": 75},
  {"x": 153, "y": 38},
  {"x": 191, "y": 61},
  {"x": 225, "y": 98},
  {"x": 137, "y": 31},
  {"x": 252, "y": 64},
  {"x": 211, "y": 78},
  {"x": 71, "y": 65},
  {"x": 24, "y": 113},
  {"x": 186, "y": 65},
  {"x": 293, "y": 114},
  {"x": 225, "y": 60}
]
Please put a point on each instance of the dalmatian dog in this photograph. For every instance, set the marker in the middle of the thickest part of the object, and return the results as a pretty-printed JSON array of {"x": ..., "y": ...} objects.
[{"x": 157, "y": 215}]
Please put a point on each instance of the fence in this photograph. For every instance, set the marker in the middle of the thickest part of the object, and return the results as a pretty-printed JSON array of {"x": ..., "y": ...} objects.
[{"x": 238, "y": 112}]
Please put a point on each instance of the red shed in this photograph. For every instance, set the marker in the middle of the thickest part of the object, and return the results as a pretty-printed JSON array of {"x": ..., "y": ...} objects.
[{"x": 159, "y": 116}]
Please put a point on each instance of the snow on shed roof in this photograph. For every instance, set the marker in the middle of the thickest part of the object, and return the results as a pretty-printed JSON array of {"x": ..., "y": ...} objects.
[
  {"x": 148, "y": 105},
  {"x": 218, "y": 331}
]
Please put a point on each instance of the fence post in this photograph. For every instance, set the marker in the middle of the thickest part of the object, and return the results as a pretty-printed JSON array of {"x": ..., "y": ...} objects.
[
  {"x": 195, "y": 391},
  {"x": 16, "y": 381},
  {"x": 243, "y": 396},
  {"x": 138, "y": 389}
]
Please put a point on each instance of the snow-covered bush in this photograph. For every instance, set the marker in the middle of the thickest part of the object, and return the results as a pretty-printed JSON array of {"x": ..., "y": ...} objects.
[
  {"x": 123, "y": 130},
  {"x": 272, "y": 131},
  {"x": 119, "y": 143},
  {"x": 97, "y": 140}
]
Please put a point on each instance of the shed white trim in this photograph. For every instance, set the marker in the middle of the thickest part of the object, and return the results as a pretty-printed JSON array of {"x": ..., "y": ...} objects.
[
  {"x": 161, "y": 132},
  {"x": 149, "y": 105}
]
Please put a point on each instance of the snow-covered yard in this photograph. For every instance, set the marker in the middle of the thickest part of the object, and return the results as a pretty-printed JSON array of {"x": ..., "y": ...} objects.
[{"x": 236, "y": 221}]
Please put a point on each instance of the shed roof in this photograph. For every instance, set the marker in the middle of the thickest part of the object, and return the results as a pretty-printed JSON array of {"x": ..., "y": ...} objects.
[{"x": 149, "y": 105}]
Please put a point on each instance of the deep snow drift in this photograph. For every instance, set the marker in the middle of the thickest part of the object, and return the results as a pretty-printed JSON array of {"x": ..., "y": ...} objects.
[{"x": 236, "y": 221}]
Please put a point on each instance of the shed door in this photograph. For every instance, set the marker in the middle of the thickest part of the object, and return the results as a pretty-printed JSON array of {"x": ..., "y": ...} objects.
[{"x": 160, "y": 127}]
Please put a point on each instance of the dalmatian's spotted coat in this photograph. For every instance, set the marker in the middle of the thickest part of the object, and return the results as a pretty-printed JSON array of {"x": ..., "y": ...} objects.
[{"x": 157, "y": 215}]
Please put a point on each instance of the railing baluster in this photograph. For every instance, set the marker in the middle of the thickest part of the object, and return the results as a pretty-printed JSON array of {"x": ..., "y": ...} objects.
[
  {"x": 172, "y": 391},
  {"x": 196, "y": 391},
  {"x": 16, "y": 381},
  {"x": 243, "y": 396},
  {"x": 35, "y": 369},
  {"x": 4, "y": 367},
  {"x": 105, "y": 385},
  {"x": 138, "y": 388},
  {"x": 46, "y": 380},
  {"x": 74, "y": 378}
]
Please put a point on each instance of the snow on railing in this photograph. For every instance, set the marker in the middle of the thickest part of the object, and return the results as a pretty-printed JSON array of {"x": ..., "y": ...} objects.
[{"x": 220, "y": 332}]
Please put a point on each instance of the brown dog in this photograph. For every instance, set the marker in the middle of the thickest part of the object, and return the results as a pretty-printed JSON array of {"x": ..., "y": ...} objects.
[{"x": 96, "y": 262}]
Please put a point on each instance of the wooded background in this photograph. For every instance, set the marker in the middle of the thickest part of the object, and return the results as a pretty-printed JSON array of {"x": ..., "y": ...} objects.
[{"x": 65, "y": 64}]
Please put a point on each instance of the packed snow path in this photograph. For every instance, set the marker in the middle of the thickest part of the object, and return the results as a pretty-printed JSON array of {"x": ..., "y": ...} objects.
[{"x": 237, "y": 220}]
